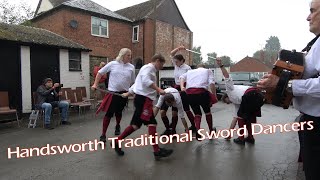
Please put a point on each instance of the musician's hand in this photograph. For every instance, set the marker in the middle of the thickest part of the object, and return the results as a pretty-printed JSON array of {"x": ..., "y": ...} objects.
[
  {"x": 183, "y": 89},
  {"x": 55, "y": 85},
  {"x": 268, "y": 81},
  {"x": 94, "y": 87}
]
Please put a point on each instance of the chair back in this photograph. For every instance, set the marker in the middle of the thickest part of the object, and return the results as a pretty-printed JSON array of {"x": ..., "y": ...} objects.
[
  {"x": 4, "y": 99},
  {"x": 83, "y": 91}
]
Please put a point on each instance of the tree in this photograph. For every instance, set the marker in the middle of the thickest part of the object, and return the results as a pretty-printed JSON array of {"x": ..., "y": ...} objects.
[
  {"x": 270, "y": 52},
  {"x": 226, "y": 60},
  {"x": 15, "y": 13},
  {"x": 197, "y": 58},
  {"x": 211, "y": 61}
]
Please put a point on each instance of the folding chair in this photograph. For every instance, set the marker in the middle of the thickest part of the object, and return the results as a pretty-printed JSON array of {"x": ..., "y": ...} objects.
[{"x": 4, "y": 106}]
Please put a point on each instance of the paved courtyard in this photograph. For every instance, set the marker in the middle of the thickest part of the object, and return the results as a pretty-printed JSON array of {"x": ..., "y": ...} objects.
[{"x": 274, "y": 156}]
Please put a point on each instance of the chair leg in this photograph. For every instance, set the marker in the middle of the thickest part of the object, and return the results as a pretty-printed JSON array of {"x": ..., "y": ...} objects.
[{"x": 17, "y": 119}]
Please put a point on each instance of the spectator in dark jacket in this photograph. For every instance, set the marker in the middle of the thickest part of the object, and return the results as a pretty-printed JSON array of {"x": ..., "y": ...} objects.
[{"x": 48, "y": 98}]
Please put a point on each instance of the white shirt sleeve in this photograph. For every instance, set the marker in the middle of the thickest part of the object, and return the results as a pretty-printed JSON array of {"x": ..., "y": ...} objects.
[
  {"x": 211, "y": 77},
  {"x": 183, "y": 76},
  {"x": 229, "y": 84},
  {"x": 131, "y": 89},
  {"x": 309, "y": 87},
  {"x": 146, "y": 78},
  {"x": 180, "y": 109},
  {"x": 106, "y": 68},
  {"x": 160, "y": 101}
]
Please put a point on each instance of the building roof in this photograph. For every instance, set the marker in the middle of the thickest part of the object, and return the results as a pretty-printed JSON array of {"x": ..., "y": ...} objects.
[
  {"x": 249, "y": 64},
  {"x": 30, "y": 35},
  {"x": 85, "y": 5},
  {"x": 140, "y": 11}
]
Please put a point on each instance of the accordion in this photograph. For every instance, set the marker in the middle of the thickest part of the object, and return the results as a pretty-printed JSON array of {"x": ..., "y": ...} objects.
[{"x": 288, "y": 66}]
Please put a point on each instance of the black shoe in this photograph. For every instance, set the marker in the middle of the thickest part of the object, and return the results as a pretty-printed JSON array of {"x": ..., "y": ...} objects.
[
  {"x": 117, "y": 131},
  {"x": 117, "y": 149},
  {"x": 103, "y": 139},
  {"x": 198, "y": 136},
  {"x": 249, "y": 140},
  {"x": 193, "y": 129},
  {"x": 239, "y": 141},
  {"x": 162, "y": 153},
  {"x": 66, "y": 123},
  {"x": 47, "y": 126},
  {"x": 167, "y": 132}
]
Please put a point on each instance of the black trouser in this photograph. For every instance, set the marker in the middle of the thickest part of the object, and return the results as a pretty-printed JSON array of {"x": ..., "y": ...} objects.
[
  {"x": 311, "y": 148},
  {"x": 200, "y": 100},
  {"x": 117, "y": 105}
]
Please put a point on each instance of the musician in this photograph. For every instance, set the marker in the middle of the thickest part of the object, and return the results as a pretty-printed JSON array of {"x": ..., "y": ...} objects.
[
  {"x": 48, "y": 98},
  {"x": 180, "y": 67},
  {"x": 171, "y": 98},
  {"x": 122, "y": 76},
  {"x": 235, "y": 94},
  {"x": 306, "y": 92},
  {"x": 197, "y": 82},
  {"x": 145, "y": 90}
]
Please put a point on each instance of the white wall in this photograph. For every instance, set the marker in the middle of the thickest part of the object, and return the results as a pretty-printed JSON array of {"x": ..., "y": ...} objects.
[
  {"x": 73, "y": 79},
  {"x": 45, "y": 6},
  {"x": 26, "y": 79}
]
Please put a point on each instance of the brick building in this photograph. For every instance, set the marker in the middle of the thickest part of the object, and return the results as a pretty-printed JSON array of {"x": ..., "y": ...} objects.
[{"x": 154, "y": 26}]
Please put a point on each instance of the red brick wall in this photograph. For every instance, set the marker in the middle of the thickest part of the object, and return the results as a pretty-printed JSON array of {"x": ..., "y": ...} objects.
[
  {"x": 120, "y": 33},
  {"x": 149, "y": 38},
  {"x": 137, "y": 47}
]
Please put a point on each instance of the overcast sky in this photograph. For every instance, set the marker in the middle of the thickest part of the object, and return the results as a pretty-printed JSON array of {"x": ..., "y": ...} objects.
[{"x": 236, "y": 28}]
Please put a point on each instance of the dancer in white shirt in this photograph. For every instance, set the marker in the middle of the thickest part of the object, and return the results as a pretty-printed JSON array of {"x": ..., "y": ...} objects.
[{"x": 121, "y": 77}]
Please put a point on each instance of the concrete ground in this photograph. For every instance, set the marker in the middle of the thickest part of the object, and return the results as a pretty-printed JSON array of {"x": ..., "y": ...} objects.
[{"x": 274, "y": 156}]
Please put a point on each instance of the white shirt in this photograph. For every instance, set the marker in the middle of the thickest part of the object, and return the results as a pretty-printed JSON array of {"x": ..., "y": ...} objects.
[
  {"x": 177, "y": 101},
  {"x": 235, "y": 92},
  {"x": 121, "y": 76},
  {"x": 179, "y": 70},
  {"x": 145, "y": 78},
  {"x": 307, "y": 89},
  {"x": 198, "y": 78}
]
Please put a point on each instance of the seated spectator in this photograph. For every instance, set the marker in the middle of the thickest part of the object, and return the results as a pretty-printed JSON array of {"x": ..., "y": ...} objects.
[{"x": 48, "y": 98}]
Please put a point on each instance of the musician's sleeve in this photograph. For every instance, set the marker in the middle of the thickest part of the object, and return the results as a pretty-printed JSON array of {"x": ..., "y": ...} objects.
[{"x": 306, "y": 87}]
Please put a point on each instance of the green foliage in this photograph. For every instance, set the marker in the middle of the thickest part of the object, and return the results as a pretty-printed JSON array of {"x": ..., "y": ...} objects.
[
  {"x": 15, "y": 13},
  {"x": 197, "y": 58}
]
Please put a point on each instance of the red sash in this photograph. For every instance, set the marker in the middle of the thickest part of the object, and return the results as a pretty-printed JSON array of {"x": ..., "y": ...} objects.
[
  {"x": 147, "y": 110},
  {"x": 105, "y": 104}
]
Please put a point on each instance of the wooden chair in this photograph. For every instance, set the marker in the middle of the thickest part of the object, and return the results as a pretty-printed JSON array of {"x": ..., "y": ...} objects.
[
  {"x": 76, "y": 100},
  {"x": 4, "y": 106}
]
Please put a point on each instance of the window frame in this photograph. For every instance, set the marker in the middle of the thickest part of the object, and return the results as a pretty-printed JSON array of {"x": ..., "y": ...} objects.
[
  {"x": 137, "y": 27},
  {"x": 100, "y": 27},
  {"x": 75, "y": 60}
]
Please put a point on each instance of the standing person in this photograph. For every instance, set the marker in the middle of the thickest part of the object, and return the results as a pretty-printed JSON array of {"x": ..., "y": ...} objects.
[
  {"x": 180, "y": 67},
  {"x": 122, "y": 76},
  {"x": 145, "y": 90},
  {"x": 235, "y": 94},
  {"x": 171, "y": 98},
  {"x": 48, "y": 98},
  {"x": 197, "y": 84},
  {"x": 102, "y": 81},
  {"x": 306, "y": 96}
]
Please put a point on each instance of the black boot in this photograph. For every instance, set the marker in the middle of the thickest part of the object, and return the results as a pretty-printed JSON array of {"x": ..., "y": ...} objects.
[
  {"x": 103, "y": 138},
  {"x": 167, "y": 132},
  {"x": 239, "y": 141},
  {"x": 117, "y": 131},
  {"x": 118, "y": 149},
  {"x": 249, "y": 140},
  {"x": 162, "y": 153},
  {"x": 194, "y": 129}
]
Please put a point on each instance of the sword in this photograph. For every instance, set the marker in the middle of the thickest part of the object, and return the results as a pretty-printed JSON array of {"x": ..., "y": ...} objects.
[
  {"x": 110, "y": 92},
  {"x": 199, "y": 53}
]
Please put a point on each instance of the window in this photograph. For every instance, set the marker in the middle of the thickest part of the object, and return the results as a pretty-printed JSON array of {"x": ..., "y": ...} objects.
[
  {"x": 99, "y": 27},
  {"x": 74, "y": 61},
  {"x": 135, "y": 33}
]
